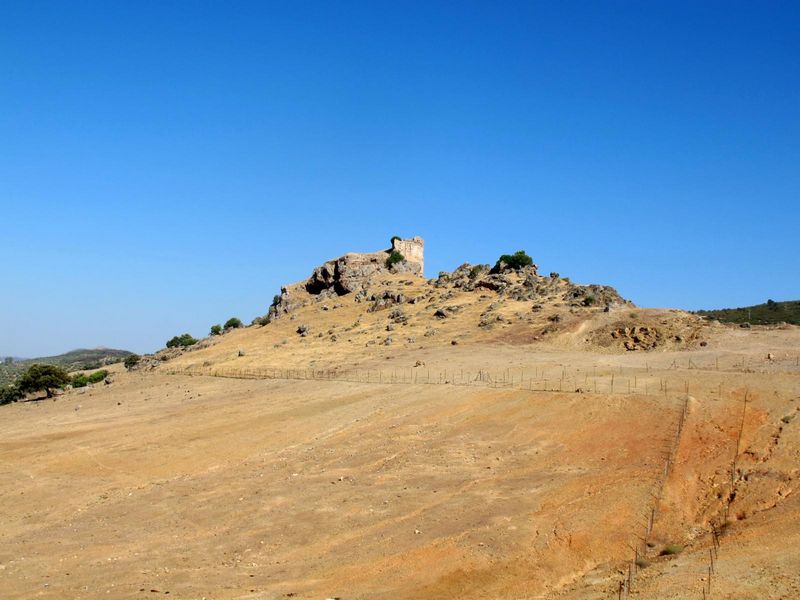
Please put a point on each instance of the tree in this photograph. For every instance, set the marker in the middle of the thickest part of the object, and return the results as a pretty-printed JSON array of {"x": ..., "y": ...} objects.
[
  {"x": 216, "y": 329},
  {"x": 131, "y": 361},
  {"x": 43, "y": 378},
  {"x": 233, "y": 323},
  {"x": 514, "y": 261},
  {"x": 181, "y": 341}
]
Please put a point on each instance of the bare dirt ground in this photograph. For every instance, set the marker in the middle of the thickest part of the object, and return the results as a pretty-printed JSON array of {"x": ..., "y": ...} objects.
[{"x": 218, "y": 487}]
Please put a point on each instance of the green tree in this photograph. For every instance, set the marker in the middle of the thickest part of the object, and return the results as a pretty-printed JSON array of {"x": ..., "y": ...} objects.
[
  {"x": 216, "y": 329},
  {"x": 181, "y": 341},
  {"x": 43, "y": 378},
  {"x": 233, "y": 323},
  {"x": 514, "y": 261},
  {"x": 131, "y": 361}
]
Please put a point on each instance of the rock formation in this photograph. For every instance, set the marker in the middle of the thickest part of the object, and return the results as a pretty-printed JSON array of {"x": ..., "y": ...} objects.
[
  {"x": 526, "y": 284},
  {"x": 350, "y": 273},
  {"x": 353, "y": 272}
]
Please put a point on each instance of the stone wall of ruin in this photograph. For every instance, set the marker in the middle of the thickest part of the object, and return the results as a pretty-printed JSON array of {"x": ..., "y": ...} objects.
[{"x": 413, "y": 249}]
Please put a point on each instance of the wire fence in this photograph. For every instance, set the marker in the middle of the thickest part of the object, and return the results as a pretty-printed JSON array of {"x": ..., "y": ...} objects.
[
  {"x": 716, "y": 530},
  {"x": 711, "y": 568},
  {"x": 537, "y": 379},
  {"x": 640, "y": 543}
]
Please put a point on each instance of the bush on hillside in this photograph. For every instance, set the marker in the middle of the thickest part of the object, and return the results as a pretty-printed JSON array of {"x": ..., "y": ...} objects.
[
  {"x": 216, "y": 329},
  {"x": 181, "y": 341},
  {"x": 233, "y": 323},
  {"x": 10, "y": 393},
  {"x": 82, "y": 379},
  {"x": 46, "y": 378},
  {"x": 131, "y": 361},
  {"x": 98, "y": 376},
  {"x": 515, "y": 261},
  {"x": 394, "y": 258}
]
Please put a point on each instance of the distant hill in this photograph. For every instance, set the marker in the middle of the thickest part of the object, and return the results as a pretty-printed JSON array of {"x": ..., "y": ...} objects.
[
  {"x": 75, "y": 360},
  {"x": 769, "y": 313}
]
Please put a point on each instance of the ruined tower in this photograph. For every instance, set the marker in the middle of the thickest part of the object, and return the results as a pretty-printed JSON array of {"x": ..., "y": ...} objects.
[{"x": 413, "y": 249}]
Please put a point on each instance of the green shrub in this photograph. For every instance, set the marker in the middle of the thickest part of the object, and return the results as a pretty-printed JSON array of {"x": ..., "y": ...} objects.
[
  {"x": 131, "y": 361},
  {"x": 98, "y": 376},
  {"x": 514, "y": 261},
  {"x": 276, "y": 299},
  {"x": 9, "y": 394},
  {"x": 265, "y": 320},
  {"x": 589, "y": 301},
  {"x": 38, "y": 378},
  {"x": 233, "y": 323},
  {"x": 80, "y": 380},
  {"x": 394, "y": 237},
  {"x": 394, "y": 258},
  {"x": 216, "y": 329},
  {"x": 181, "y": 341}
]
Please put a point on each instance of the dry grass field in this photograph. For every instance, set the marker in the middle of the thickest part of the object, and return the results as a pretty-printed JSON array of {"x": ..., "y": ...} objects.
[{"x": 524, "y": 461}]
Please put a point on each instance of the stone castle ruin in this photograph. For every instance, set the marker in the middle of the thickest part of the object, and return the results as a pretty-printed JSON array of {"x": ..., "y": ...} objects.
[
  {"x": 413, "y": 249},
  {"x": 350, "y": 273},
  {"x": 353, "y": 272},
  {"x": 357, "y": 273}
]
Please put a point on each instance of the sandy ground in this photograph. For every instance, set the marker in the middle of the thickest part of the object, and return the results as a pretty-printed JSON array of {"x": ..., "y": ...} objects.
[
  {"x": 215, "y": 487},
  {"x": 225, "y": 488}
]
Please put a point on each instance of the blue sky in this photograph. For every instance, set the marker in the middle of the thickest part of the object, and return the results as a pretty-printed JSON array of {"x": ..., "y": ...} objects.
[{"x": 166, "y": 165}]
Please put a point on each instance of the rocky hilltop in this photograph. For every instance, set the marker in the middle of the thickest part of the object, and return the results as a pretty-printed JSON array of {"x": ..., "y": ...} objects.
[
  {"x": 360, "y": 300},
  {"x": 360, "y": 274}
]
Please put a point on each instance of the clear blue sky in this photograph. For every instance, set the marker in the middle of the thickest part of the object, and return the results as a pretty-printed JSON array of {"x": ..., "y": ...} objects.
[{"x": 166, "y": 165}]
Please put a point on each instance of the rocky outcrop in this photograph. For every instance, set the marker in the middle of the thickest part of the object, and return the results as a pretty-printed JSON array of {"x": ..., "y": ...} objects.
[
  {"x": 352, "y": 272},
  {"x": 349, "y": 273},
  {"x": 359, "y": 274},
  {"x": 526, "y": 284}
]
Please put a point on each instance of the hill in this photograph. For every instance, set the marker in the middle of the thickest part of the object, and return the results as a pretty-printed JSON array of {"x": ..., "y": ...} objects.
[
  {"x": 769, "y": 313},
  {"x": 487, "y": 433},
  {"x": 74, "y": 360}
]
